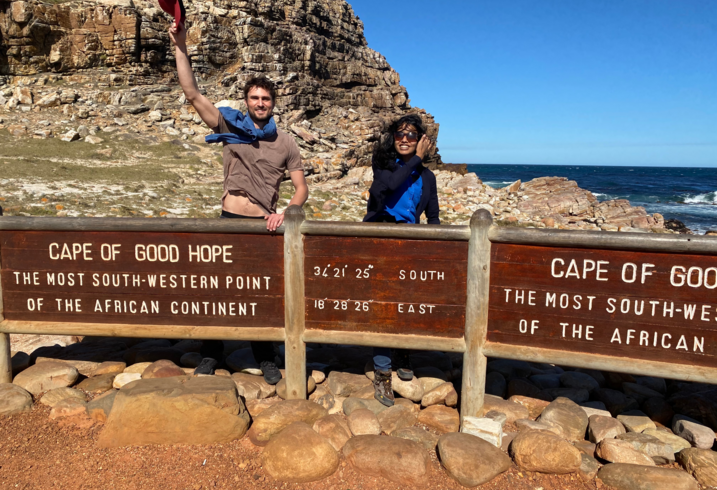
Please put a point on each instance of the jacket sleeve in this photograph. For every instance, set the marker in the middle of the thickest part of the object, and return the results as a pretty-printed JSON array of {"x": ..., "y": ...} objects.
[
  {"x": 387, "y": 180},
  {"x": 432, "y": 209}
]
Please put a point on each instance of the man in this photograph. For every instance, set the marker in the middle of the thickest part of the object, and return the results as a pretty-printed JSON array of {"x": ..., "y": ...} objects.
[{"x": 256, "y": 154}]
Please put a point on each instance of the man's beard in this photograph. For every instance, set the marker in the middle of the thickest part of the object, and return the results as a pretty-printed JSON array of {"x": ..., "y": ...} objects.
[{"x": 257, "y": 119}]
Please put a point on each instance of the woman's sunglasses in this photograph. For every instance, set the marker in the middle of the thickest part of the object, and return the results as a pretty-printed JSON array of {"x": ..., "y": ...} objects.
[{"x": 410, "y": 136}]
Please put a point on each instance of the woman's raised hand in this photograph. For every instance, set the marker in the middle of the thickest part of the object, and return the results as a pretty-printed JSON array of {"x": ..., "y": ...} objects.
[
  {"x": 425, "y": 145},
  {"x": 178, "y": 34}
]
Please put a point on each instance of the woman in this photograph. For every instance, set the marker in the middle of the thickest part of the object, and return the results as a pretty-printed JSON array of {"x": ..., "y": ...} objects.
[{"x": 402, "y": 190}]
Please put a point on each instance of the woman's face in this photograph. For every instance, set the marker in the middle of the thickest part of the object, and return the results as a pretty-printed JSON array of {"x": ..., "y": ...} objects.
[{"x": 406, "y": 140}]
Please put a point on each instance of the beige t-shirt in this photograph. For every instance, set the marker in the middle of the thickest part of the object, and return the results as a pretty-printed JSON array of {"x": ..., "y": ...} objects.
[{"x": 258, "y": 168}]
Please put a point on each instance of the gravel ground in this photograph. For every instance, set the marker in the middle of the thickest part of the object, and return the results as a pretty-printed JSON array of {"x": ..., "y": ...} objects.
[{"x": 38, "y": 453}]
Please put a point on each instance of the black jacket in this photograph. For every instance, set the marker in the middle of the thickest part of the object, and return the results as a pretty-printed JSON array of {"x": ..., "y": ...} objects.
[{"x": 386, "y": 181}]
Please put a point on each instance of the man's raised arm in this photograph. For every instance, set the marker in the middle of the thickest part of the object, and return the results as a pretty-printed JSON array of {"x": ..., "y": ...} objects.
[{"x": 205, "y": 109}]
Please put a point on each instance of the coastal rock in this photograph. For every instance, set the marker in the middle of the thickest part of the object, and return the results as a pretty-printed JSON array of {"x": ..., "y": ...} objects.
[
  {"x": 469, "y": 460},
  {"x": 631, "y": 477},
  {"x": 700, "y": 463},
  {"x": 176, "y": 410},
  {"x": 299, "y": 455},
  {"x": 698, "y": 435},
  {"x": 544, "y": 452},
  {"x": 566, "y": 417},
  {"x": 617, "y": 451},
  {"x": 395, "y": 418},
  {"x": 416, "y": 434},
  {"x": 401, "y": 461},
  {"x": 335, "y": 429},
  {"x": 14, "y": 399},
  {"x": 441, "y": 418},
  {"x": 601, "y": 427},
  {"x": 364, "y": 422},
  {"x": 274, "y": 419},
  {"x": 46, "y": 376}
]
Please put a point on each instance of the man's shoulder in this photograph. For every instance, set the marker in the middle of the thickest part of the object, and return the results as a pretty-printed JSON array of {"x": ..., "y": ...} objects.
[{"x": 284, "y": 137}]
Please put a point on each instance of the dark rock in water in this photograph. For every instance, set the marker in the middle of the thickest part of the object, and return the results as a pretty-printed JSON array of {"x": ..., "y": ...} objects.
[{"x": 678, "y": 226}]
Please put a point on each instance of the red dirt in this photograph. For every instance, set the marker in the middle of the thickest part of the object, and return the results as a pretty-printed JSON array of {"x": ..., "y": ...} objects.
[{"x": 38, "y": 453}]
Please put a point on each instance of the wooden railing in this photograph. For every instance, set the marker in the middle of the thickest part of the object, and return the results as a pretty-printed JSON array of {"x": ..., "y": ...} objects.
[{"x": 481, "y": 290}]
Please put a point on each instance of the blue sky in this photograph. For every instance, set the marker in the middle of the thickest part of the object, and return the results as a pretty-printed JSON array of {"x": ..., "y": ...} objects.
[{"x": 602, "y": 82}]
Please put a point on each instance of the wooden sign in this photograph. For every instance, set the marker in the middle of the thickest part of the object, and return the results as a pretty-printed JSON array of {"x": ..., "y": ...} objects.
[
  {"x": 384, "y": 285},
  {"x": 650, "y": 306},
  {"x": 143, "y": 278}
]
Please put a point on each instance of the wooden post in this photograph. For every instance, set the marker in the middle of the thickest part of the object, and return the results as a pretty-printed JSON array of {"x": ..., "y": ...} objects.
[
  {"x": 5, "y": 358},
  {"x": 294, "y": 304},
  {"x": 478, "y": 289}
]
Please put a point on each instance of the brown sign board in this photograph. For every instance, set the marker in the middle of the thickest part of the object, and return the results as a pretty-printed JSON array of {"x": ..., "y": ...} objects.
[
  {"x": 385, "y": 285},
  {"x": 639, "y": 305},
  {"x": 143, "y": 278}
]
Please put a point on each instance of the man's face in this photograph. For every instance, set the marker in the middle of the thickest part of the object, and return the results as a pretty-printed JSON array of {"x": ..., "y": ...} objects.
[{"x": 259, "y": 104}]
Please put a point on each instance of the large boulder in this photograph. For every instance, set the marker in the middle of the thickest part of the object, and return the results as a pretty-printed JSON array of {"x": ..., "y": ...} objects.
[
  {"x": 544, "y": 452},
  {"x": 399, "y": 460},
  {"x": 470, "y": 460},
  {"x": 395, "y": 418},
  {"x": 275, "y": 418},
  {"x": 176, "y": 410},
  {"x": 335, "y": 429},
  {"x": 623, "y": 476},
  {"x": 619, "y": 451},
  {"x": 52, "y": 397},
  {"x": 566, "y": 417},
  {"x": 46, "y": 376},
  {"x": 363, "y": 422},
  {"x": 441, "y": 418},
  {"x": 14, "y": 399},
  {"x": 700, "y": 463},
  {"x": 297, "y": 454}
]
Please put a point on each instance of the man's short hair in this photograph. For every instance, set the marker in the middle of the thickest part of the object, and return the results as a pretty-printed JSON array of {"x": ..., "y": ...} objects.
[{"x": 260, "y": 82}]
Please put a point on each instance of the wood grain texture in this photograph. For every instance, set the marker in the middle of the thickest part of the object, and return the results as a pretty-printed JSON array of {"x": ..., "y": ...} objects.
[
  {"x": 647, "y": 242},
  {"x": 179, "y": 278},
  {"x": 386, "y": 285},
  {"x": 143, "y": 331},
  {"x": 399, "y": 341},
  {"x": 587, "y": 360},
  {"x": 474, "y": 361},
  {"x": 294, "y": 315},
  {"x": 646, "y": 319}
]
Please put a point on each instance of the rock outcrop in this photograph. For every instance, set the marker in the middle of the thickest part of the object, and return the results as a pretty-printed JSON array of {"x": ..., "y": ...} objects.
[{"x": 101, "y": 59}]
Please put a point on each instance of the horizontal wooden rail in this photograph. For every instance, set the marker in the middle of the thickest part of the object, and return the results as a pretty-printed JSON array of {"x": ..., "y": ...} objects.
[
  {"x": 182, "y": 225},
  {"x": 419, "y": 342},
  {"x": 640, "y": 367},
  {"x": 386, "y": 230},
  {"x": 143, "y": 331},
  {"x": 646, "y": 242}
]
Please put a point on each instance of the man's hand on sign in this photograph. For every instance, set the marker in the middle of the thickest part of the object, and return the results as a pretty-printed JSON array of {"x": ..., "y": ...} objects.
[
  {"x": 273, "y": 221},
  {"x": 178, "y": 34}
]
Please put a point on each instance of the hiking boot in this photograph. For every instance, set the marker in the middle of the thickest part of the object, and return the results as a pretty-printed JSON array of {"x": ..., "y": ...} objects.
[
  {"x": 206, "y": 366},
  {"x": 383, "y": 392},
  {"x": 272, "y": 375},
  {"x": 402, "y": 361}
]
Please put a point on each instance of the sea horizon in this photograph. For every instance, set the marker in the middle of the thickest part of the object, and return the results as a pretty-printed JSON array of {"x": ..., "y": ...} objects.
[{"x": 687, "y": 194}]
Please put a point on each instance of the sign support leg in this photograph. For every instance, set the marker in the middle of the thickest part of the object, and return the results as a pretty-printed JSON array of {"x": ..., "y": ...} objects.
[
  {"x": 478, "y": 291},
  {"x": 294, "y": 304},
  {"x": 5, "y": 359}
]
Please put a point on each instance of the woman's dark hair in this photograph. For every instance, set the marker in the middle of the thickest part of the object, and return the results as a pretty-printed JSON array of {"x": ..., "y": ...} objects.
[
  {"x": 384, "y": 151},
  {"x": 260, "y": 82}
]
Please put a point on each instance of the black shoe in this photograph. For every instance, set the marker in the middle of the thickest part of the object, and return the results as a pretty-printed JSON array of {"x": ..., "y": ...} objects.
[
  {"x": 272, "y": 375},
  {"x": 206, "y": 366},
  {"x": 402, "y": 361},
  {"x": 383, "y": 391}
]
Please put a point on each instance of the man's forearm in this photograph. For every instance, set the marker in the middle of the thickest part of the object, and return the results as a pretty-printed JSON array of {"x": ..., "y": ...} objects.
[
  {"x": 300, "y": 196},
  {"x": 185, "y": 74}
]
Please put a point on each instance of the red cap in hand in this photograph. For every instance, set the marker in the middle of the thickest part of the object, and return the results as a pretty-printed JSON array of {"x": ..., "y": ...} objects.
[{"x": 174, "y": 8}]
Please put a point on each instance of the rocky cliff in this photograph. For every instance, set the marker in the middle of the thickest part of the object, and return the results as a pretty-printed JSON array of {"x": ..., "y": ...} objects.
[{"x": 113, "y": 58}]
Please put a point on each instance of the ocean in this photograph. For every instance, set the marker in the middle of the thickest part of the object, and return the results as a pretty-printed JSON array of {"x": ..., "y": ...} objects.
[{"x": 686, "y": 194}]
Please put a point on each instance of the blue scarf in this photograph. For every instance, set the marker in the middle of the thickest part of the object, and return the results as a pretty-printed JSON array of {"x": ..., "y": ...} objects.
[{"x": 244, "y": 131}]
